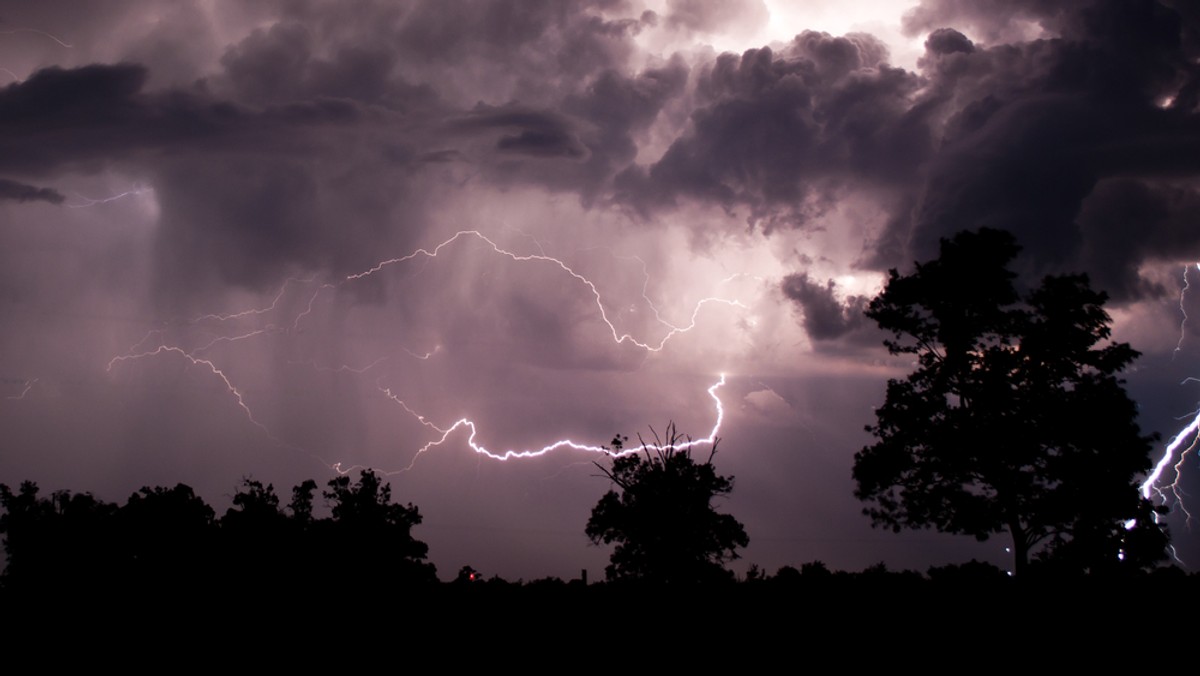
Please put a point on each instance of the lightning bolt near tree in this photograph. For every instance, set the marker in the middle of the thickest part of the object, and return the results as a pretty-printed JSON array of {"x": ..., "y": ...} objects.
[
  {"x": 192, "y": 356},
  {"x": 1162, "y": 484}
]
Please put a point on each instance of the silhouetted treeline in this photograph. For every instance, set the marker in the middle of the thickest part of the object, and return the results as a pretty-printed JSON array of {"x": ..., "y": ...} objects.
[
  {"x": 170, "y": 541},
  {"x": 169, "y": 546}
]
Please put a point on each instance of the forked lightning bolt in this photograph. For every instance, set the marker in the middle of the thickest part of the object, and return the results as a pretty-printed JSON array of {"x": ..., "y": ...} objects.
[
  {"x": 1182, "y": 445},
  {"x": 620, "y": 338},
  {"x": 616, "y": 335},
  {"x": 1173, "y": 457},
  {"x": 511, "y": 454}
]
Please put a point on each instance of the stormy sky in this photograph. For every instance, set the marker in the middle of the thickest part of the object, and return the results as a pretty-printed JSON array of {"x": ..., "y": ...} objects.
[{"x": 228, "y": 240}]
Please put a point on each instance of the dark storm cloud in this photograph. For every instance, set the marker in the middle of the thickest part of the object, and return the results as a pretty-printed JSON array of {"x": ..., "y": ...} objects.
[
  {"x": 948, "y": 41},
  {"x": 1013, "y": 132},
  {"x": 1033, "y": 127},
  {"x": 989, "y": 20},
  {"x": 771, "y": 131},
  {"x": 526, "y": 92},
  {"x": 328, "y": 114},
  {"x": 525, "y": 131},
  {"x": 1124, "y": 222},
  {"x": 282, "y": 64},
  {"x": 825, "y": 317},
  {"x": 58, "y": 118},
  {"x": 991, "y": 134},
  {"x": 593, "y": 131},
  {"x": 498, "y": 51},
  {"x": 256, "y": 215},
  {"x": 20, "y": 192}
]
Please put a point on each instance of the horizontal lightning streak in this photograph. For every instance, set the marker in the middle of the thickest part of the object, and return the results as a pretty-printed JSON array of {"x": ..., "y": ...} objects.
[
  {"x": 618, "y": 337},
  {"x": 89, "y": 202},
  {"x": 533, "y": 453}
]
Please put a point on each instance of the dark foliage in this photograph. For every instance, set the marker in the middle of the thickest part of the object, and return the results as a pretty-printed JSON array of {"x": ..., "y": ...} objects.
[
  {"x": 63, "y": 539},
  {"x": 663, "y": 520},
  {"x": 371, "y": 535},
  {"x": 1015, "y": 418},
  {"x": 168, "y": 542}
]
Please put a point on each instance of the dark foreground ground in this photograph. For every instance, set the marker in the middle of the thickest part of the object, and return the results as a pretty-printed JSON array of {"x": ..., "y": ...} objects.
[{"x": 902, "y": 617}]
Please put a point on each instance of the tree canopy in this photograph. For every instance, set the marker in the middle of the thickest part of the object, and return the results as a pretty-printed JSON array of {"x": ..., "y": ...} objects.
[
  {"x": 662, "y": 520},
  {"x": 1014, "y": 420},
  {"x": 169, "y": 538}
]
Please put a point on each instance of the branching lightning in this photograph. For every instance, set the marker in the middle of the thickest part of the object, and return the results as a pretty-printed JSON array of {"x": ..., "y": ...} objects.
[
  {"x": 618, "y": 337},
  {"x": 533, "y": 453},
  {"x": 1184, "y": 443},
  {"x": 193, "y": 355}
]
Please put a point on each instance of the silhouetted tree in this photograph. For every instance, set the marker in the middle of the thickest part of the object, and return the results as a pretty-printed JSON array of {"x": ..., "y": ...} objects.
[
  {"x": 301, "y": 505},
  {"x": 260, "y": 543},
  {"x": 371, "y": 535},
  {"x": 1014, "y": 419},
  {"x": 61, "y": 540},
  {"x": 167, "y": 534},
  {"x": 815, "y": 569},
  {"x": 467, "y": 574},
  {"x": 663, "y": 520},
  {"x": 253, "y": 505}
]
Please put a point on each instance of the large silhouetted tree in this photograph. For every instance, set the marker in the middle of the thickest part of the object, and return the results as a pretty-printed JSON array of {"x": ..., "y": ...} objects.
[
  {"x": 370, "y": 534},
  {"x": 1014, "y": 419},
  {"x": 662, "y": 520}
]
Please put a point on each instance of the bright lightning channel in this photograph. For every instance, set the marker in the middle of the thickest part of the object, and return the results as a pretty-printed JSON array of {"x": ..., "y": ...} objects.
[
  {"x": 510, "y": 454},
  {"x": 618, "y": 337},
  {"x": 1181, "y": 445},
  {"x": 1186, "y": 439}
]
